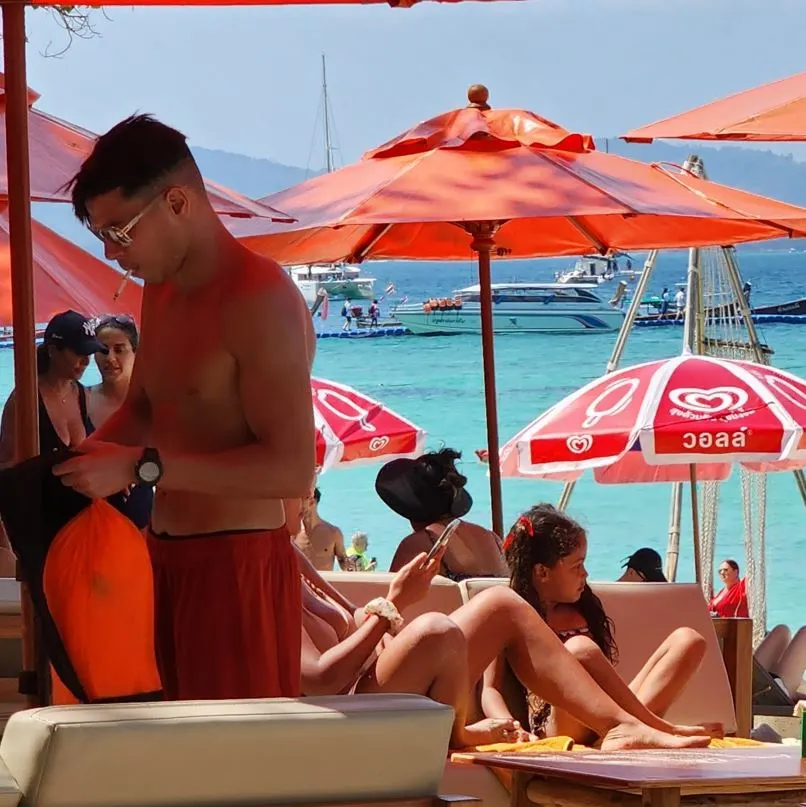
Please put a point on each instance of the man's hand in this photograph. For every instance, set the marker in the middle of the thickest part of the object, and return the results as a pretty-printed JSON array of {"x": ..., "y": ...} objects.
[{"x": 101, "y": 470}]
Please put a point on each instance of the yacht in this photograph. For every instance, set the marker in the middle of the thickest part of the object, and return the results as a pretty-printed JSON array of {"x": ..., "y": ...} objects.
[
  {"x": 517, "y": 308},
  {"x": 593, "y": 270},
  {"x": 590, "y": 271},
  {"x": 340, "y": 282}
]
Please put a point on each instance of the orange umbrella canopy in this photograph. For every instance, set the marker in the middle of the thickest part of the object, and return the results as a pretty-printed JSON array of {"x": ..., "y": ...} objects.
[
  {"x": 65, "y": 276},
  {"x": 57, "y": 149},
  {"x": 774, "y": 111},
  {"x": 392, "y": 3},
  {"x": 548, "y": 190}
]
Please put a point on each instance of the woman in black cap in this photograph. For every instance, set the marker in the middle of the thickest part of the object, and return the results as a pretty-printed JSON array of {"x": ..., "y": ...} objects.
[
  {"x": 61, "y": 360},
  {"x": 643, "y": 566},
  {"x": 430, "y": 493}
]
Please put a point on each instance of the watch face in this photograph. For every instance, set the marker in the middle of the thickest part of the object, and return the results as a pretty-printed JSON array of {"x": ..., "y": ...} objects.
[{"x": 149, "y": 472}]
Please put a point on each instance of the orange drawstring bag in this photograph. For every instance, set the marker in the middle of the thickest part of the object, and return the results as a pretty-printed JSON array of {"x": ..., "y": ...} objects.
[{"x": 99, "y": 590}]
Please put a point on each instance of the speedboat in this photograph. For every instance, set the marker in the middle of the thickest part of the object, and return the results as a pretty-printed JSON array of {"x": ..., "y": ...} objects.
[{"x": 517, "y": 308}]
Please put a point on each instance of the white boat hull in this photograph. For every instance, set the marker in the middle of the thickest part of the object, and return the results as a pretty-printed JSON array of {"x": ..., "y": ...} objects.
[{"x": 511, "y": 319}]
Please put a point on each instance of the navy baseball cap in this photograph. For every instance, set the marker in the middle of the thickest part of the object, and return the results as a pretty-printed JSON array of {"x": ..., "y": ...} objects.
[{"x": 74, "y": 331}]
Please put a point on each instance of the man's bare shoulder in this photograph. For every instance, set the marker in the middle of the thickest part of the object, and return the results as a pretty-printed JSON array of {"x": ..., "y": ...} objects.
[{"x": 261, "y": 300}]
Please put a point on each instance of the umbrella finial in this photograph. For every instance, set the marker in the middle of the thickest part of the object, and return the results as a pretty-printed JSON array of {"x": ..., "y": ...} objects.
[{"x": 477, "y": 96}]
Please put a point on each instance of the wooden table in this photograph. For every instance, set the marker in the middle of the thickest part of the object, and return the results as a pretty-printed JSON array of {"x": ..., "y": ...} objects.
[{"x": 765, "y": 776}]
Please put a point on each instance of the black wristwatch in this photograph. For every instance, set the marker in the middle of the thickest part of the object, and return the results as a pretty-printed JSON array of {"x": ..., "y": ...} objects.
[{"x": 148, "y": 470}]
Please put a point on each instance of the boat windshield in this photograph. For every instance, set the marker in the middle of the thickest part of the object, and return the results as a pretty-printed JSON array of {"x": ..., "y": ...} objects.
[{"x": 534, "y": 294}]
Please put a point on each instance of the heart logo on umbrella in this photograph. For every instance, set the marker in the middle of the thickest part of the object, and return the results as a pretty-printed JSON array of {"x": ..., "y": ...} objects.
[
  {"x": 709, "y": 401},
  {"x": 378, "y": 443},
  {"x": 579, "y": 443}
]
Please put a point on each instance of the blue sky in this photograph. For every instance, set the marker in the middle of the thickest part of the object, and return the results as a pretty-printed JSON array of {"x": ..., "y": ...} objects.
[{"x": 247, "y": 79}]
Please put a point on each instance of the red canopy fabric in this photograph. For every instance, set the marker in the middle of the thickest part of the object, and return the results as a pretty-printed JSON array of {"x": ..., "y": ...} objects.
[
  {"x": 392, "y": 3},
  {"x": 548, "y": 189},
  {"x": 65, "y": 276},
  {"x": 57, "y": 149},
  {"x": 771, "y": 112}
]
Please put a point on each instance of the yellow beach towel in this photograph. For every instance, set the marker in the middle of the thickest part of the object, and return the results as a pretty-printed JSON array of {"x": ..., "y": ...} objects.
[{"x": 555, "y": 744}]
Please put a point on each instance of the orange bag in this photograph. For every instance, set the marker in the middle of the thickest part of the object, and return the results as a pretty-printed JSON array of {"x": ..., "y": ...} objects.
[{"x": 99, "y": 590}]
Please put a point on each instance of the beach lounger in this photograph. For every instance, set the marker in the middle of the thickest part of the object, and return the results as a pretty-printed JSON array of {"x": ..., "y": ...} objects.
[{"x": 362, "y": 751}]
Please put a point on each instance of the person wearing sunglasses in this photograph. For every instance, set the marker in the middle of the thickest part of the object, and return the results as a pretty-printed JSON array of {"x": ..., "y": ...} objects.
[{"x": 217, "y": 417}]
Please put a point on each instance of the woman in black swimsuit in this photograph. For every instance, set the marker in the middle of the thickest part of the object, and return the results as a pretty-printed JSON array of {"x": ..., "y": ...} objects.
[
  {"x": 62, "y": 359},
  {"x": 64, "y": 420},
  {"x": 430, "y": 493},
  {"x": 546, "y": 551},
  {"x": 119, "y": 336}
]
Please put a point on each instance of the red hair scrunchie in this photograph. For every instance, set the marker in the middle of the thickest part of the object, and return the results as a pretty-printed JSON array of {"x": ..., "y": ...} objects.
[{"x": 525, "y": 524}]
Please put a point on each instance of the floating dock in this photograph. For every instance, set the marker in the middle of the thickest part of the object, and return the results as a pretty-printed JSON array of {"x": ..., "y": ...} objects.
[
  {"x": 759, "y": 319},
  {"x": 367, "y": 333}
]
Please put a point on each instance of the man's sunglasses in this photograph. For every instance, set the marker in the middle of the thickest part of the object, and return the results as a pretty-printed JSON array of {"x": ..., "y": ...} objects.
[{"x": 120, "y": 236}]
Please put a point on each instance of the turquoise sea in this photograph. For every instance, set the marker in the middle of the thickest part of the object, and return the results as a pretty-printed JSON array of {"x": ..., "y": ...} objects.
[{"x": 437, "y": 383}]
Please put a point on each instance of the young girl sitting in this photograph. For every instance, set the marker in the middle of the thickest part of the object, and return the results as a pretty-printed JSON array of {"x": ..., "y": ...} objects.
[{"x": 546, "y": 551}]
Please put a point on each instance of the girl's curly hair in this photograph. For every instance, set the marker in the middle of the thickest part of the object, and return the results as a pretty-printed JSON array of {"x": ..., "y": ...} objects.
[{"x": 545, "y": 535}]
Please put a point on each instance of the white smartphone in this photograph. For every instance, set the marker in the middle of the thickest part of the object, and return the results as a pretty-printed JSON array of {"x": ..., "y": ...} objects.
[{"x": 444, "y": 538}]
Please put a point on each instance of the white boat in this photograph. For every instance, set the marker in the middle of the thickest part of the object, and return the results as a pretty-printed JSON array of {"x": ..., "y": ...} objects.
[
  {"x": 517, "y": 308},
  {"x": 592, "y": 270},
  {"x": 341, "y": 282}
]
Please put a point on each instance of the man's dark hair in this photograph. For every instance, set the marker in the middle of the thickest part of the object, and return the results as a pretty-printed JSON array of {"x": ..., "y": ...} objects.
[
  {"x": 317, "y": 495},
  {"x": 138, "y": 153}
]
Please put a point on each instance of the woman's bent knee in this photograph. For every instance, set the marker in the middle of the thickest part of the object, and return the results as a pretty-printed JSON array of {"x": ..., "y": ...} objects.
[
  {"x": 438, "y": 629},
  {"x": 689, "y": 641}
]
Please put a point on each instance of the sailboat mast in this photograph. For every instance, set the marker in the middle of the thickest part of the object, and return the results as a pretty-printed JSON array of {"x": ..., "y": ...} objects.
[{"x": 328, "y": 145}]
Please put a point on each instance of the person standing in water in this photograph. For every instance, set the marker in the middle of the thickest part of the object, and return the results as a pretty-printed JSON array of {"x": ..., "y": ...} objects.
[
  {"x": 218, "y": 418},
  {"x": 119, "y": 335}
]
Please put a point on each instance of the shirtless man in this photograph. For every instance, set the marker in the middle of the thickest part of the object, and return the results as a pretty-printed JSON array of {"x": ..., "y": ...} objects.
[
  {"x": 218, "y": 417},
  {"x": 320, "y": 541}
]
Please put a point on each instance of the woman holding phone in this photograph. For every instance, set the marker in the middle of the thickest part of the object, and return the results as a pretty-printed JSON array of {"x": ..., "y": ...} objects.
[{"x": 430, "y": 493}]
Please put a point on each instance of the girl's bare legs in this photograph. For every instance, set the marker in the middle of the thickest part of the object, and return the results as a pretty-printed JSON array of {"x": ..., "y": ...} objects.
[
  {"x": 429, "y": 657},
  {"x": 669, "y": 669},
  {"x": 651, "y": 692},
  {"x": 498, "y": 621},
  {"x": 772, "y": 647}
]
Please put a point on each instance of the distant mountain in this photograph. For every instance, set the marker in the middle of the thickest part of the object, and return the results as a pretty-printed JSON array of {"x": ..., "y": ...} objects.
[{"x": 252, "y": 176}]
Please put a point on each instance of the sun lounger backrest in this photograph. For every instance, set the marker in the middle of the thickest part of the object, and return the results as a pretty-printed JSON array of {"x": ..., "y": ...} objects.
[
  {"x": 229, "y": 753},
  {"x": 644, "y": 614},
  {"x": 443, "y": 597}
]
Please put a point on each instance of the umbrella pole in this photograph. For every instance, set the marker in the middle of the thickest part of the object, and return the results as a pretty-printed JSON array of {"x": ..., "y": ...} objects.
[
  {"x": 483, "y": 244},
  {"x": 621, "y": 344},
  {"x": 22, "y": 290},
  {"x": 695, "y": 523},
  {"x": 673, "y": 545}
]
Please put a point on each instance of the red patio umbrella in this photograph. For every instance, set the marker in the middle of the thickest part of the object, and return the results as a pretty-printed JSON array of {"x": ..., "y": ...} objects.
[
  {"x": 642, "y": 423},
  {"x": 65, "y": 276},
  {"x": 510, "y": 183},
  {"x": 771, "y": 112},
  {"x": 353, "y": 429},
  {"x": 57, "y": 149}
]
